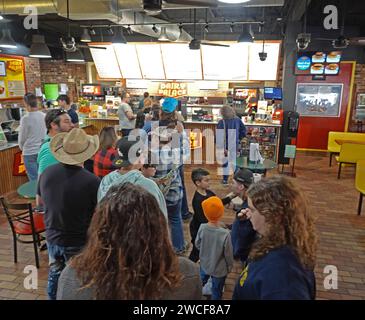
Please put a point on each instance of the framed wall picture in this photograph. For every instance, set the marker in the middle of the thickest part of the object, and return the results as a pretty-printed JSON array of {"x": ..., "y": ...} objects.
[{"x": 319, "y": 100}]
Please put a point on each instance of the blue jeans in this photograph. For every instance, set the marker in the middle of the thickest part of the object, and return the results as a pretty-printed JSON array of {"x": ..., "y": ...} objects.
[
  {"x": 217, "y": 284},
  {"x": 31, "y": 166},
  {"x": 184, "y": 204},
  {"x": 176, "y": 225},
  {"x": 58, "y": 256}
]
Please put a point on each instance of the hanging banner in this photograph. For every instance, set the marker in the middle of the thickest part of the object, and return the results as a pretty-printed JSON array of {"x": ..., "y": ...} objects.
[{"x": 12, "y": 77}]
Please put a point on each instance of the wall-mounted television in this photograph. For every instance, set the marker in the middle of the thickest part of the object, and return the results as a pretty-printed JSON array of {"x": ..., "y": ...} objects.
[
  {"x": 271, "y": 93},
  {"x": 318, "y": 63}
]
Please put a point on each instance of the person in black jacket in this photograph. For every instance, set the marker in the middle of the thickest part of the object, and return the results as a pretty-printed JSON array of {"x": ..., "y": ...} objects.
[{"x": 243, "y": 235}]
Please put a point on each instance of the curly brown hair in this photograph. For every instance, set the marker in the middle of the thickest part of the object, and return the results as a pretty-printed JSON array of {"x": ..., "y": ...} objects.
[
  {"x": 129, "y": 254},
  {"x": 288, "y": 218}
]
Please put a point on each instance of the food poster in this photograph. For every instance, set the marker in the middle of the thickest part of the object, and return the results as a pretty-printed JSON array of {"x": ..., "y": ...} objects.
[{"x": 12, "y": 78}]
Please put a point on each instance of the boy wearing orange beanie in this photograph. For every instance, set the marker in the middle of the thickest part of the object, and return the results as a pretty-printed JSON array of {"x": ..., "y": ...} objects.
[{"x": 214, "y": 243}]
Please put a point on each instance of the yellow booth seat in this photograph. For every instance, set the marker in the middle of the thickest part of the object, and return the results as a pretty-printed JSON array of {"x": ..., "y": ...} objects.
[
  {"x": 350, "y": 153},
  {"x": 360, "y": 182},
  {"x": 334, "y": 148}
]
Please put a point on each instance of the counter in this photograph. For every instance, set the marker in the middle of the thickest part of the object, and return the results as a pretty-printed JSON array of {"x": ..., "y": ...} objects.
[{"x": 8, "y": 146}]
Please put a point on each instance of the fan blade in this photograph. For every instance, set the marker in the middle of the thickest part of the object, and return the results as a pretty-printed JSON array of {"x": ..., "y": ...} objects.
[
  {"x": 90, "y": 47},
  {"x": 214, "y": 44},
  {"x": 192, "y": 3},
  {"x": 324, "y": 39}
]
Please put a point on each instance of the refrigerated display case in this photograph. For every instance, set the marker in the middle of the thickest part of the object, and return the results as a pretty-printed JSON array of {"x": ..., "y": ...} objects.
[{"x": 267, "y": 135}]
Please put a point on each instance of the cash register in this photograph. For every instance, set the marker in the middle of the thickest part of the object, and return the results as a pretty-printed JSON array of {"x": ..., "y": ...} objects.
[{"x": 10, "y": 130}]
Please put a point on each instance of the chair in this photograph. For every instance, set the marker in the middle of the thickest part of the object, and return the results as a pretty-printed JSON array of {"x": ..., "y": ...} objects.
[
  {"x": 23, "y": 222},
  {"x": 334, "y": 148},
  {"x": 350, "y": 153},
  {"x": 360, "y": 182}
]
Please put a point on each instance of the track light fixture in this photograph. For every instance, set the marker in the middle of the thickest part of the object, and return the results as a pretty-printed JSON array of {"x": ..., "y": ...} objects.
[
  {"x": 129, "y": 30},
  {"x": 110, "y": 31},
  {"x": 155, "y": 30},
  {"x": 206, "y": 28}
]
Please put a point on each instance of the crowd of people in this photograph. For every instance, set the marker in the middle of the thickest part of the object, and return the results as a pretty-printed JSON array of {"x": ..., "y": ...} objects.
[{"x": 116, "y": 231}]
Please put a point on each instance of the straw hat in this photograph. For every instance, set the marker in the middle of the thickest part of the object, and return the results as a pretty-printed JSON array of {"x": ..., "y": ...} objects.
[{"x": 74, "y": 147}]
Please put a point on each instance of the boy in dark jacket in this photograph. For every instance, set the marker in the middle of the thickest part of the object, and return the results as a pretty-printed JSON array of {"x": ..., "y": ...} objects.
[{"x": 201, "y": 178}]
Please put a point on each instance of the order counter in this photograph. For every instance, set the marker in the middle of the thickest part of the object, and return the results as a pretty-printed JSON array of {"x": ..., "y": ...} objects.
[{"x": 95, "y": 125}]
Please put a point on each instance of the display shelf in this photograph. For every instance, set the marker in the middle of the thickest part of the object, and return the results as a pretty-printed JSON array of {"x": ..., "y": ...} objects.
[{"x": 267, "y": 135}]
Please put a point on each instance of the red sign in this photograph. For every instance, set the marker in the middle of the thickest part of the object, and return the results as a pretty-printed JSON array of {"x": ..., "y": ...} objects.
[
  {"x": 18, "y": 165},
  {"x": 172, "y": 89}
]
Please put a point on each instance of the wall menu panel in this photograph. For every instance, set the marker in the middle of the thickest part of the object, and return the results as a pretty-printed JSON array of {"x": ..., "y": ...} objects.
[
  {"x": 180, "y": 62},
  {"x": 232, "y": 64},
  {"x": 106, "y": 62},
  {"x": 263, "y": 70},
  {"x": 128, "y": 61},
  {"x": 150, "y": 60}
]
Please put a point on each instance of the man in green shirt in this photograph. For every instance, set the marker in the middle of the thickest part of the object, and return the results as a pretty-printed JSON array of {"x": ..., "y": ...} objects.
[{"x": 57, "y": 121}]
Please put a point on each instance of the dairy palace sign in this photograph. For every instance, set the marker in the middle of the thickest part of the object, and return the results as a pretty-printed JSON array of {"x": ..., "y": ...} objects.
[{"x": 173, "y": 89}]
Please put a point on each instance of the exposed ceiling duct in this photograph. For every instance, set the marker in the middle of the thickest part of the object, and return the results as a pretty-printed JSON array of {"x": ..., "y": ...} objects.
[{"x": 130, "y": 12}]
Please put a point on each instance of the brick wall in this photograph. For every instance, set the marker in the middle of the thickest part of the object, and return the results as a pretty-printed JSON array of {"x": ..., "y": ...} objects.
[
  {"x": 32, "y": 74},
  {"x": 61, "y": 72}
]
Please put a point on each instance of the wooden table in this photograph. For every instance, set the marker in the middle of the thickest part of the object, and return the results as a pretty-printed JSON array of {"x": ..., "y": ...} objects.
[
  {"x": 28, "y": 190},
  {"x": 341, "y": 142}
]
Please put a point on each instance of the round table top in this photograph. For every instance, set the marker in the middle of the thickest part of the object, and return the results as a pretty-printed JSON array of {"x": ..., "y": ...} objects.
[
  {"x": 28, "y": 190},
  {"x": 266, "y": 165}
]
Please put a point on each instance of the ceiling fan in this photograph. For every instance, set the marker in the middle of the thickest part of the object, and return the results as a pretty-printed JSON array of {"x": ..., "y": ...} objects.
[
  {"x": 196, "y": 43},
  {"x": 342, "y": 42},
  {"x": 68, "y": 43}
]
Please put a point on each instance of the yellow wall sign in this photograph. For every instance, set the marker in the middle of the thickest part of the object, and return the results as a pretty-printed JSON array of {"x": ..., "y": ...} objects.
[
  {"x": 12, "y": 77},
  {"x": 173, "y": 89}
]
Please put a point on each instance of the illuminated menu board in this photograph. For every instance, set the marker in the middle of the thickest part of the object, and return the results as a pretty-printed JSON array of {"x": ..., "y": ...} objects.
[
  {"x": 317, "y": 62},
  {"x": 232, "y": 65},
  {"x": 106, "y": 62},
  {"x": 263, "y": 70},
  {"x": 180, "y": 62},
  {"x": 128, "y": 61},
  {"x": 150, "y": 60}
]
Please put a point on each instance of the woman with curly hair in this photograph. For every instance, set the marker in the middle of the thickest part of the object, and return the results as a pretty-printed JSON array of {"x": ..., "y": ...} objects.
[
  {"x": 282, "y": 259},
  {"x": 129, "y": 254}
]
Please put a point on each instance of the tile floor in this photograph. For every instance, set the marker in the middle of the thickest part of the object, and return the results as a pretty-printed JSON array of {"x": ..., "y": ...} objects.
[{"x": 341, "y": 232}]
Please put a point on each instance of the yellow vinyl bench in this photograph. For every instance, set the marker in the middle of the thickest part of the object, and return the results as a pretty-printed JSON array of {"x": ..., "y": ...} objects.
[
  {"x": 334, "y": 147},
  {"x": 360, "y": 182},
  {"x": 350, "y": 153}
]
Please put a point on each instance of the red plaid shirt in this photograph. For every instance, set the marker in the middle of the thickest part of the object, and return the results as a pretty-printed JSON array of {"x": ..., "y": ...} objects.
[{"x": 103, "y": 162}]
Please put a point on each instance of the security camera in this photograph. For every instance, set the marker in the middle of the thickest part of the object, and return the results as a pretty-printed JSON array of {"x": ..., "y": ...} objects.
[
  {"x": 262, "y": 55},
  {"x": 303, "y": 40}
]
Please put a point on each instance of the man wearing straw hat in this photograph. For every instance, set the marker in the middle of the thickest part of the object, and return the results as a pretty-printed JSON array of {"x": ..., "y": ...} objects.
[{"x": 69, "y": 194}]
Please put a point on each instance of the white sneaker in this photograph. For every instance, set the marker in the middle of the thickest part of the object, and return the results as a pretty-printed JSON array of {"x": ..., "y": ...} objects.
[{"x": 207, "y": 289}]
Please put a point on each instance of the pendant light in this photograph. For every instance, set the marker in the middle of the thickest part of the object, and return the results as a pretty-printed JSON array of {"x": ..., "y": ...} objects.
[
  {"x": 39, "y": 49},
  {"x": 7, "y": 40},
  {"x": 118, "y": 37},
  {"x": 163, "y": 35},
  {"x": 75, "y": 56},
  {"x": 246, "y": 36},
  {"x": 85, "y": 36}
]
